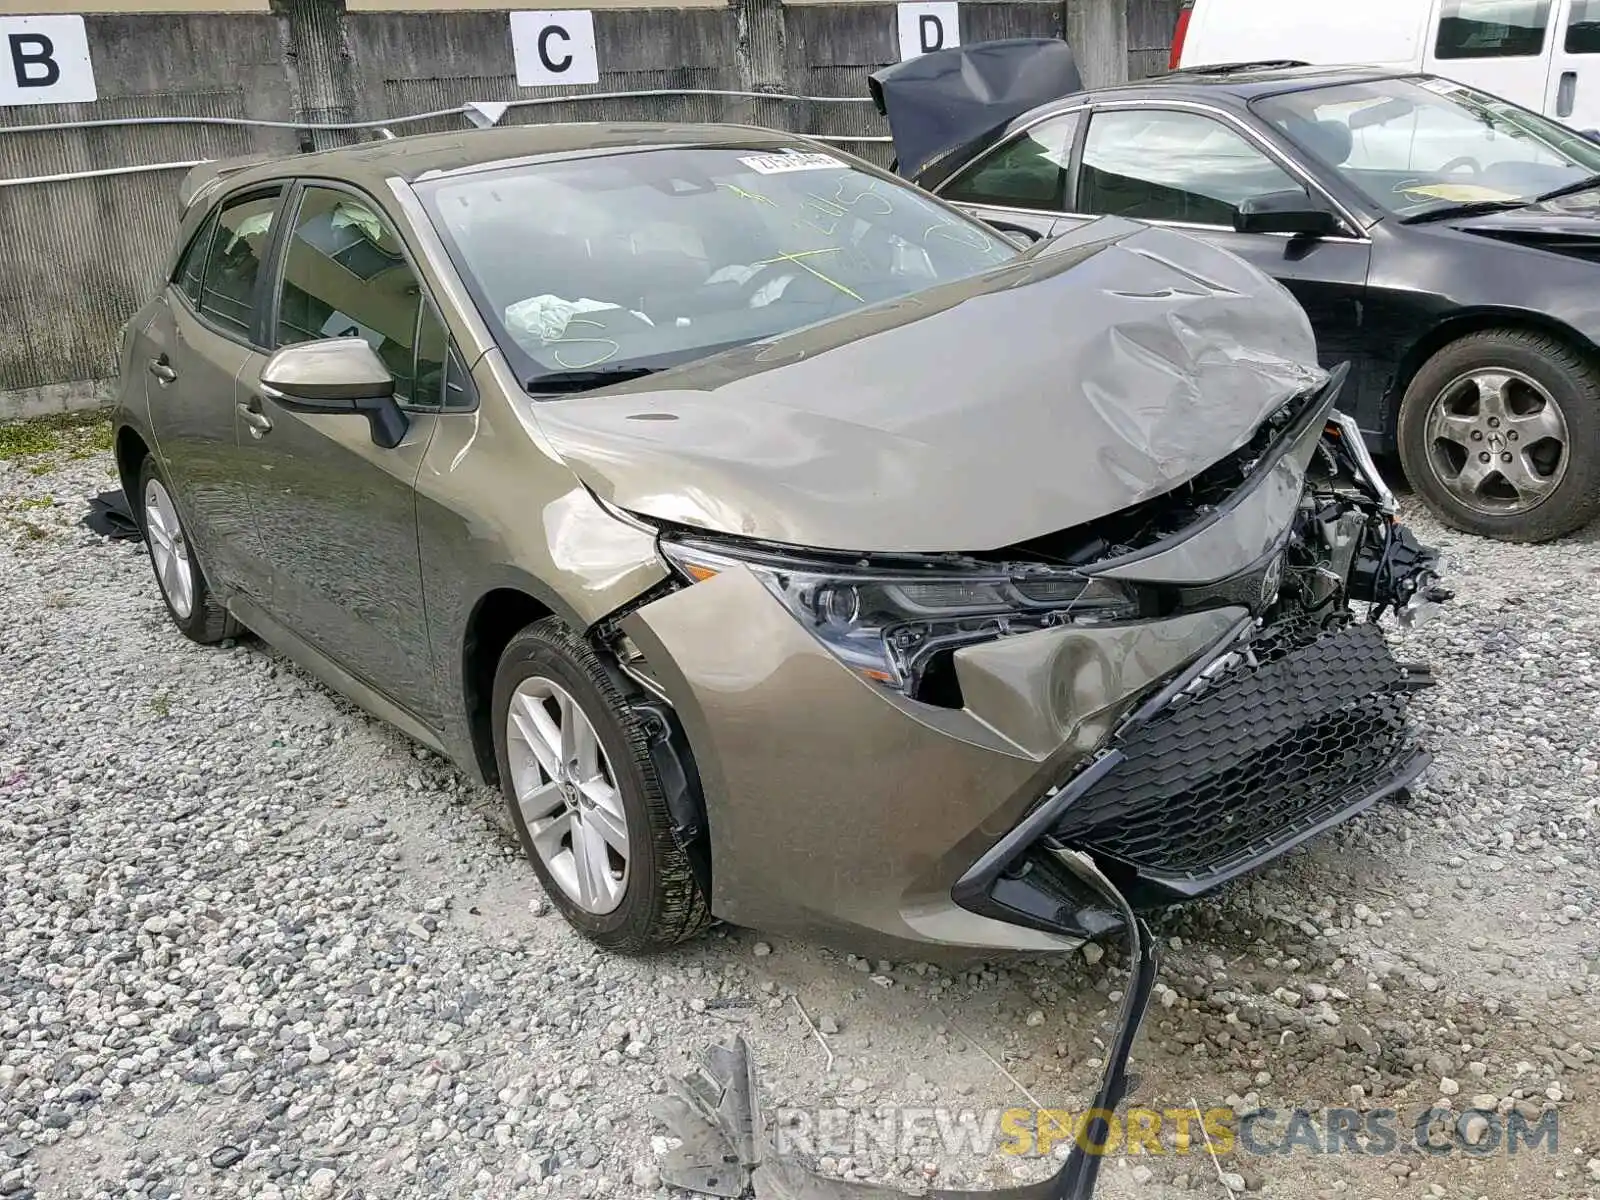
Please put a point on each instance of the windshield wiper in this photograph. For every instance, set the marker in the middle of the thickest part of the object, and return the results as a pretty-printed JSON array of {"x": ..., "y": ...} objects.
[
  {"x": 1570, "y": 189},
  {"x": 587, "y": 379},
  {"x": 1467, "y": 208}
]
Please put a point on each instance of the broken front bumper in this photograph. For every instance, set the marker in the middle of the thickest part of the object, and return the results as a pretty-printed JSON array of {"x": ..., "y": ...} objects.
[
  {"x": 1180, "y": 751},
  {"x": 835, "y": 807},
  {"x": 1277, "y": 734}
]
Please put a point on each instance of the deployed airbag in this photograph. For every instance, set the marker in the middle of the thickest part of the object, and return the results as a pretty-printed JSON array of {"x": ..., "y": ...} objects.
[{"x": 961, "y": 98}]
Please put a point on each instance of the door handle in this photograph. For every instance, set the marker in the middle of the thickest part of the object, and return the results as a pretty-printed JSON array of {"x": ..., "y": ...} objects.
[
  {"x": 260, "y": 424},
  {"x": 1566, "y": 93},
  {"x": 159, "y": 368}
]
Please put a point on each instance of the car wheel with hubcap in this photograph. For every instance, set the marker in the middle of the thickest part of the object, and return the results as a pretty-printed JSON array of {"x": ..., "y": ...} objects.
[
  {"x": 1500, "y": 434},
  {"x": 585, "y": 797},
  {"x": 182, "y": 583}
]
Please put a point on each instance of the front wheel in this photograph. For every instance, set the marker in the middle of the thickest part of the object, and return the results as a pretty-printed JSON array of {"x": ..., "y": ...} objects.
[
  {"x": 585, "y": 797},
  {"x": 1500, "y": 434}
]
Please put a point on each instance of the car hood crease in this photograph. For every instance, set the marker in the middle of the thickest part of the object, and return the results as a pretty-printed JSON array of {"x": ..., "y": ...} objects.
[{"x": 1104, "y": 368}]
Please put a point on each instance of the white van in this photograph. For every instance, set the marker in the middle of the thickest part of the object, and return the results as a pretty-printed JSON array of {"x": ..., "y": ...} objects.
[{"x": 1541, "y": 54}]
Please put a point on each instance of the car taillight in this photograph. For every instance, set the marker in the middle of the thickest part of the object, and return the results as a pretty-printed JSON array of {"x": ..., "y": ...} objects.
[{"x": 1179, "y": 34}]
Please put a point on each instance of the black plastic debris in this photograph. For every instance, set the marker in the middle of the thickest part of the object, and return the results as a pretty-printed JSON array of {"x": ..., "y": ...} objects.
[
  {"x": 224, "y": 1157},
  {"x": 715, "y": 1111},
  {"x": 110, "y": 516}
]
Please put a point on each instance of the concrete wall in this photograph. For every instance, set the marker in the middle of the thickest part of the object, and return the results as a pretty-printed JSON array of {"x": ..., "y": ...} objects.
[{"x": 78, "y": 257}]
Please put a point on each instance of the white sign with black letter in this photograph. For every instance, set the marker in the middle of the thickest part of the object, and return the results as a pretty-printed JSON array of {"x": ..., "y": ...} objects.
[
  {"x": 925, "y": 27},
  {"x": 553, "y": 48},
  {"x": 45, "y": 60}
]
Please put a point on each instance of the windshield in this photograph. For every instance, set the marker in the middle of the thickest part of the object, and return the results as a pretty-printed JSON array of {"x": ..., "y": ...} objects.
[
  {"x": 1412, "y": 145},
  {"x": 645, "y": 259}
]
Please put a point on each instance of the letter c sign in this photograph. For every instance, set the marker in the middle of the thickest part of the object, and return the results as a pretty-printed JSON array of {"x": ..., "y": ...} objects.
[{"x": 554, "y": 48}]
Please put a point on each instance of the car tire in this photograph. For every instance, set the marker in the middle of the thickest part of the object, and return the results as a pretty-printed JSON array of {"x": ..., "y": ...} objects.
[
  {"x": 179, "y": 577},
  {"x": 1469, "y": 399},
  {"x": 636, "y": 898}
]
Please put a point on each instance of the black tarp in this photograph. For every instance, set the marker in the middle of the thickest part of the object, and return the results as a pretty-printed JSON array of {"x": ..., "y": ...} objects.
[{"x": 960, "y": 99}]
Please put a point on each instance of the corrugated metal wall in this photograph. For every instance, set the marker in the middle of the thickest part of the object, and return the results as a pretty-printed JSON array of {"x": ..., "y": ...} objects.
[{"x": 78, "y": 258}]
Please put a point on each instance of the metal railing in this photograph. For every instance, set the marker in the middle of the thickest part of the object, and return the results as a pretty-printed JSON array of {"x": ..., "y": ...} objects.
[{"x": 383, "y": 127}]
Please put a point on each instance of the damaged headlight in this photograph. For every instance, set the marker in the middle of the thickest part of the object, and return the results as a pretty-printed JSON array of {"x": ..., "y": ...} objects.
[{"x": 897, "y": 625}]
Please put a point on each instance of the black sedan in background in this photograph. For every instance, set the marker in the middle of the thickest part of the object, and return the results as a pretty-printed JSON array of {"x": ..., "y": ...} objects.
[{"x": 1444, "y": 242}]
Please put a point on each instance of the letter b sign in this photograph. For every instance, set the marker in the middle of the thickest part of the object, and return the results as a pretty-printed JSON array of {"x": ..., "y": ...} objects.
[
  {"x": 554, "y": 48},
  {"x": 45, "y": 60}
]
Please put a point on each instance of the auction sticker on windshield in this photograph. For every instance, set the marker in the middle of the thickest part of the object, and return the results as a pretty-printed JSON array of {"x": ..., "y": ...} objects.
[{"x": 778, "y": 164}]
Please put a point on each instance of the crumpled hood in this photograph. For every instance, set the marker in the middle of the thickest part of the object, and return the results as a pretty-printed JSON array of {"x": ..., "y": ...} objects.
[{"x": 1101, "y": 369}]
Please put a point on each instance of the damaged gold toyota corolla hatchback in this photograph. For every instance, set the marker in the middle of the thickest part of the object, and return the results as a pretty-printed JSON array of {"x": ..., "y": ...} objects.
[{"x": 788, "y": 546}]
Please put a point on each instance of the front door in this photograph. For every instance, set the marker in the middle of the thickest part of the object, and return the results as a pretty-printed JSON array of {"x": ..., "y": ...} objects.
[
  {"x": 336, "y": 512},
  {"x": 1190, "y": 170},
  {"x": 1573, "y": 92}
]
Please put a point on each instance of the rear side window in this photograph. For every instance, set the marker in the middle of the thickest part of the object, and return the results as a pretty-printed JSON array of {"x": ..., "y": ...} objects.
[
  {"x": 192, "y": 267},
  {"x": 1030, "y": 171},
  {"x": 1583, "y": 29},
  {"x": 1492, "y": 28},
  {"x": 228, "y": 287}
]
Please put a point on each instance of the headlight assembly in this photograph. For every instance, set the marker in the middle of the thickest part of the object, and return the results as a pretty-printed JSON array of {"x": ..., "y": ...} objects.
[{"x": 895, "y": 625}]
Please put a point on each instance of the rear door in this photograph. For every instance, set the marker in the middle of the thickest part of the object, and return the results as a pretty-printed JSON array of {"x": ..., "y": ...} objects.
[
  {"x": 1189, "y": 168},
  {"x": 335, "y": 512},
  {"x": 1501, "y": 46},
  {"x": 1021, "y": 183},
  {"x": 199, "y": 342},
  {"x": 1573, "y": 93}
]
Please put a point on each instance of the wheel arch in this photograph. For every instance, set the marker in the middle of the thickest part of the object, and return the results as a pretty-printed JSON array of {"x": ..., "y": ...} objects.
[
  {"x": 1481, "y": 320},
  {"x": 497, "y": 617},
  {"x": 129, "y": 450}
]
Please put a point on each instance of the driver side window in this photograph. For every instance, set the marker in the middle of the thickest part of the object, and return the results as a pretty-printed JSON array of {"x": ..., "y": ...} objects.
[
  {"x": 345, "y": 275},
  {"x": 1162, "y": 165},
  {"x": 1030, "y": 171}
]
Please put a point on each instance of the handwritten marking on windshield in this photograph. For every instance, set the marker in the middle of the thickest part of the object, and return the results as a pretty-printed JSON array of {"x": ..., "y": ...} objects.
[
  {"x": 561, "y": 360},
  {"x": 949, "y": 230},
  {"x": 746, "y": 194},
  {"x": 796, "y": 257}
]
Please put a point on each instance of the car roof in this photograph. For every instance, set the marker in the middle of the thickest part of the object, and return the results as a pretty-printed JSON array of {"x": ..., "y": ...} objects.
[
  {"x": 417, "y": 156},
  {"x": 1246, "y": 81}
]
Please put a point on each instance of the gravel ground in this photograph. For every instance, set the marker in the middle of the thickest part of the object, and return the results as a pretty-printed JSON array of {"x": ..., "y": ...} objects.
[{"x": 253, "y": 943}]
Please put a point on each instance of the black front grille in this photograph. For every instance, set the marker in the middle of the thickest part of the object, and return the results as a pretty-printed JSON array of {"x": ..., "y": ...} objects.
[{"x": 1311, "y": 725}]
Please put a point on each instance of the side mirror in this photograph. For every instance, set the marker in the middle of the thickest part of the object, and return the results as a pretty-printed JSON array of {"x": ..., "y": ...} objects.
[
  {"x": 1285, "y": 212},
  {"x": 339, "y": 375}
]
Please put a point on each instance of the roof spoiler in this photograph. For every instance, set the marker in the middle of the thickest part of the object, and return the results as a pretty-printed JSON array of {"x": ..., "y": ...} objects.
[
  {"x": 961, "y": 99},
  {"x": 205, "y": 177}
]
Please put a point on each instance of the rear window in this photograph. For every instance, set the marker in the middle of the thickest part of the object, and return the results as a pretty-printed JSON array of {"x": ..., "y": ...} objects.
[
  {"x": 1492, "y": 28},
  {"x": 652, "y": 258}
]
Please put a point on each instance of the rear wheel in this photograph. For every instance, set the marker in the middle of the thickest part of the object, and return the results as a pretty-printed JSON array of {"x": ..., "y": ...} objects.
[
  {"x": 192, "y": 607},
  {"x": 1500, "y": 434},
  {"x": 583, "y": 791}
]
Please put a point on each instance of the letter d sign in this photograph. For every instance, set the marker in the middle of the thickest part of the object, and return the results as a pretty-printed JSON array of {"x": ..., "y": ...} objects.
[
  {"x": 928, "y": 27},
  {"x": 554, "y": 48},
  {"x": 45, "y": 60}
]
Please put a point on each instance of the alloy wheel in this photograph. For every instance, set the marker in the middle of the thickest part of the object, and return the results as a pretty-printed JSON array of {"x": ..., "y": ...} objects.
[
  {"x": 568, "y": 795},
  {"x": 1497, "y": 441},
  {"x": 169, "y": 549}
]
